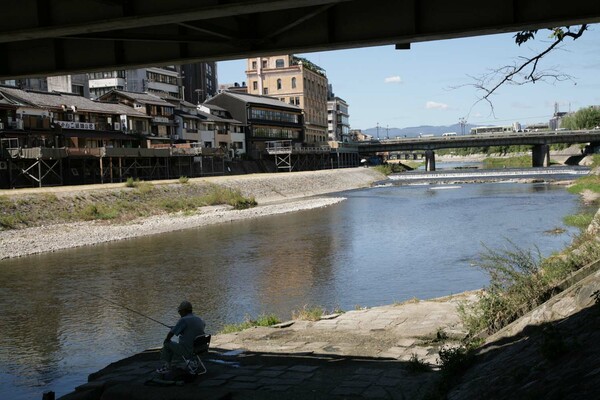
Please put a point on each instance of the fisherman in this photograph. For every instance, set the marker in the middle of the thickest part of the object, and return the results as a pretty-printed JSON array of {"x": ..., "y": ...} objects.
[{"x": 187, "y": 328}]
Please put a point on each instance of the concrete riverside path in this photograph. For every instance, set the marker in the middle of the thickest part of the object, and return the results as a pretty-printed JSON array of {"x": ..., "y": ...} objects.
[{"x": 360, "y": 354}]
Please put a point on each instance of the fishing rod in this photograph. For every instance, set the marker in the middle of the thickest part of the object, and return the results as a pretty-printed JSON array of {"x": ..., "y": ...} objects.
[{"x": 122, "y": 306}]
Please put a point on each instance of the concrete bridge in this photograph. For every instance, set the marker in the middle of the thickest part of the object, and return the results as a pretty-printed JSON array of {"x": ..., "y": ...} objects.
[{"x": 540, "y": 142}]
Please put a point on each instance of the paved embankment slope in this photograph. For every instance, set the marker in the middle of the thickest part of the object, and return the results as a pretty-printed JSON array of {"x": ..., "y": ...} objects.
[{"x": 276, "y": 194}]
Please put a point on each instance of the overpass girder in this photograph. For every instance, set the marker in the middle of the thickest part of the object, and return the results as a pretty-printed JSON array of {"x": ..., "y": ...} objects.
[{"x": 64, "y": 36}]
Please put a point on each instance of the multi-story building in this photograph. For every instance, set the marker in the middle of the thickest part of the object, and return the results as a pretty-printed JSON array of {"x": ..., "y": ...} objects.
[
  {"x": 263, "y": 118},
  {"x": 199, "y": 81},
  {"x": 221, "y": 130},
  {"x": 338, "y": 123},
  {"x": 162, "y": 124},
  {"x": 160, "y": 81},
  {"x": 77, "y": 84},
  {"x": 295, "y": 81}
]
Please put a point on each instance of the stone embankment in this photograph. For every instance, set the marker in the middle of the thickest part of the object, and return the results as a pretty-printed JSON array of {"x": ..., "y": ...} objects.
[{"x": 276, "y": 194}]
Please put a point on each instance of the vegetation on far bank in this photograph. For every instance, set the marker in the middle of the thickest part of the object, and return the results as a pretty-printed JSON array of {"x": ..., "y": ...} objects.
[
  {"x": 394, "y": 168},
  {"x": 136, "y": 199}
]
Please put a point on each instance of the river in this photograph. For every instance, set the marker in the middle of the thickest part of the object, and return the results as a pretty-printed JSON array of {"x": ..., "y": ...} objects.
[{"x": 381, "y": 245}]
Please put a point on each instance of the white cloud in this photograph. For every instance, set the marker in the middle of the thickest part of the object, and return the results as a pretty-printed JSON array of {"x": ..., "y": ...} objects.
[
  {"x": 434, "y": 105},
  {"x": 393, "y": 79}
]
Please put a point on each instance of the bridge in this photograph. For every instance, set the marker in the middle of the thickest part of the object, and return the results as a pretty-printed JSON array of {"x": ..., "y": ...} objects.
[
  {"x": 540, "y": 141},
  {"x": 53, "y": 37}
]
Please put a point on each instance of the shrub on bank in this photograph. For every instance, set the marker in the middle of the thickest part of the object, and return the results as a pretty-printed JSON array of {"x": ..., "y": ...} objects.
[{"x": 520, "y": 280}]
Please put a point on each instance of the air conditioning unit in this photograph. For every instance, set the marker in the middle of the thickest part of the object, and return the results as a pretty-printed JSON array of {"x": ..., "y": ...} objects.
[{"x": 3, "y": 165}]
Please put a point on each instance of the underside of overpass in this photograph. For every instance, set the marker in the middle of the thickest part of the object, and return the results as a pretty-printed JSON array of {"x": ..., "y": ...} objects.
[{"x": 51, "y": 37}]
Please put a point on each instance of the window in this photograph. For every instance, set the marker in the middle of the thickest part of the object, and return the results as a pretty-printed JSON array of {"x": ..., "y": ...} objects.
[
  {"x": 278, "y": 84},
  {"x": 265, "y": 90},
  {"x": 294, "y": 83},
  {"x": 279, "y": 63},
  {"x": 253, "y": 64},
  {"x": 297, "y": 101},
  {"x": 264, "y": 63},
  {"x": 254, "y": 85}
]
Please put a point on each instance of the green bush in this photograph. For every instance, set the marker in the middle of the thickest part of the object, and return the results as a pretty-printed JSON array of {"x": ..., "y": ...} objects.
[
  {"x": 417, "y": 365},
  {"x": 455, "y": 360},
  {"x": 131, "y": 182},
  {"x": 183, "y": 180}
]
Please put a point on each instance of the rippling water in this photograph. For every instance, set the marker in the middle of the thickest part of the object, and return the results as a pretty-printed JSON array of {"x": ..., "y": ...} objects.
[{"x": 381, "y": 245}]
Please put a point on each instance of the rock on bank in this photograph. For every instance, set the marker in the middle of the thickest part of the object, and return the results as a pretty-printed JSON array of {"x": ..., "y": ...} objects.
[{"x": 286, "y": 189}]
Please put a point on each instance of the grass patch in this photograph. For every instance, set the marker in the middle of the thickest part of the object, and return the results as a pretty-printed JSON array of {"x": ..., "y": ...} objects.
[
  {"x": 12, "y": 221},
  {"x": 130, "y": 183},
  {"x": 581, "y": 221},
  {"x": 233, "y": 197},
  {"x": 309, "y": 313},
  {"x": 510, "y": 162},
  {"x": 98, "y": 211},
  {"x": 142, "y": 200},
  {"x": 589, "y": 182},
  {"x": 183, "y": 180},
  {"x": 261, "y": 320}
]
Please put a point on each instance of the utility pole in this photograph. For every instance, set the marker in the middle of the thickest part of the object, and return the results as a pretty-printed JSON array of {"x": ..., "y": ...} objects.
[
  {"x": 378, "y": 131},
  {"x": 462, "y": 121},
  {"x": 387, "y": 131}
]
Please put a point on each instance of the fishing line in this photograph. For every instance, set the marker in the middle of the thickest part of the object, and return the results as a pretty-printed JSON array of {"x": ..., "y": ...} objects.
[{"x": 122, "y": 306}]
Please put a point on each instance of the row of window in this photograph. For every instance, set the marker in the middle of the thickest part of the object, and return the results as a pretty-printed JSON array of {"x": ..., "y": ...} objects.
[
  {"x": 271, "y": 115},
  {"x": 154, "y": 77},
  {"x": 279, "y": 63},
  {"x": 279, "y": 85},
  {"x": 275, "y": 133},
  {"x": 106, "y": 74}
]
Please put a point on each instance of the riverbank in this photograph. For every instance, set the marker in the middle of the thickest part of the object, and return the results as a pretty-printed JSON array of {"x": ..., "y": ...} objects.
[
  {"x": 275, "y": 193},
  {"x": 380, "y": 353}
]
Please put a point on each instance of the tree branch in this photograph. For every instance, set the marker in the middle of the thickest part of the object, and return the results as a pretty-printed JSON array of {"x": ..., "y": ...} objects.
[{"x": 526, "y": 71}]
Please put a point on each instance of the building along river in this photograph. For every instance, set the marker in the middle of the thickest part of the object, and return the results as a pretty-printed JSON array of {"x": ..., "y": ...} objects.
[{"x": 381, "y": 245}]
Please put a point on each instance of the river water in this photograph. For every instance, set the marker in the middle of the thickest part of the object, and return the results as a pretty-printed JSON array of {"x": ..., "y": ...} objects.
[{"x": 381, "y": 245}]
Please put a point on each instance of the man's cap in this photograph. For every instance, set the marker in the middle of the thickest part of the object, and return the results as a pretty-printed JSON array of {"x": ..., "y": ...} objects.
[{"x": 185, "y": 306}]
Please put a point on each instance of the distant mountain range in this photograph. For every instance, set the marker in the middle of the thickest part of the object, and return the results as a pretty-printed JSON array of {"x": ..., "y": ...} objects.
[{"x": 415, "y": 131}]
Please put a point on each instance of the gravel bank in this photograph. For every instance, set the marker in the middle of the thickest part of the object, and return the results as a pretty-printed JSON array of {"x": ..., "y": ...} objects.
[{"x": 276, "y": 194}]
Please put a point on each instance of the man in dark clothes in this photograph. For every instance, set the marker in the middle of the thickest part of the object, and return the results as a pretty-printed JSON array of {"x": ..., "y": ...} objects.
[{"x": 187, "y": 328}]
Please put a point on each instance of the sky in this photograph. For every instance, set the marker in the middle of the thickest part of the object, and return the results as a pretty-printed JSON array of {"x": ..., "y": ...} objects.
[{"x": 432, "y": 83}]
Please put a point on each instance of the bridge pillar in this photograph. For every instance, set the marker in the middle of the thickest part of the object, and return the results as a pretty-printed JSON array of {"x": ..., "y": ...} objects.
[
  {"x": 429, "y": 160},
  {"x": 540, "y": 155}
]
